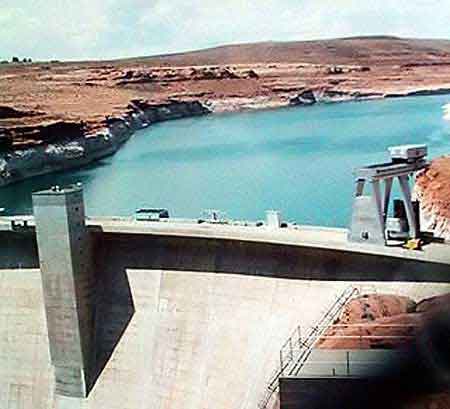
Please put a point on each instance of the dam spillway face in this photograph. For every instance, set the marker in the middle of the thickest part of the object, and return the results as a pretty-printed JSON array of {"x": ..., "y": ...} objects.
[{"x": 68, "y": 285}]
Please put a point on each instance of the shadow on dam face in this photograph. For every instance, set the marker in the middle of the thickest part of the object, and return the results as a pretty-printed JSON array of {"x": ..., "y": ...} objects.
[
  {"x": 122, "y": 251},
  {"x": 115, "y": 309},
  {"x": 18, "y": 251},
  {"x": 114, "y": 302}
]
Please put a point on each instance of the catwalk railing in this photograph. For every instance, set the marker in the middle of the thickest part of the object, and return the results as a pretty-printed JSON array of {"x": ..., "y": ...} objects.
[{"x": 297, "y": 348}]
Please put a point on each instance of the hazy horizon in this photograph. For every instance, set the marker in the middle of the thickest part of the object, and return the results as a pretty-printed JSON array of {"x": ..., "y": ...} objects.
[{"x": 110, "y": 29}]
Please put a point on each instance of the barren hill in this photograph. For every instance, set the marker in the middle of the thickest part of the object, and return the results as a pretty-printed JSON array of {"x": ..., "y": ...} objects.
[{"x": 377, "y": 50}]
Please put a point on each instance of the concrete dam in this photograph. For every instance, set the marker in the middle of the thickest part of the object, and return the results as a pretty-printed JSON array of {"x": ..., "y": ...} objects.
[
  {"x": 130, "y": 313},
  {"x": 118, "y": 313}
]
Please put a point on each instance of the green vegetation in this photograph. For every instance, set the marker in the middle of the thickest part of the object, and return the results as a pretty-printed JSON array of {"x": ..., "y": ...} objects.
[{"x": 16, "y": 60}]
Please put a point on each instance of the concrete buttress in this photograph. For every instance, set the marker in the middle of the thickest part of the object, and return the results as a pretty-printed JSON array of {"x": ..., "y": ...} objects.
[{"x": 69, "y": 287}]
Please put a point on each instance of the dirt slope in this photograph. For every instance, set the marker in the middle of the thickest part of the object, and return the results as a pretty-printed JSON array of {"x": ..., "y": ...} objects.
[{"x": 378, "y": 50}]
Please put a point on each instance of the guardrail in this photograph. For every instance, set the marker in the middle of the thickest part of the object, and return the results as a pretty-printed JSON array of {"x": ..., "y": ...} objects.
[{"x": 296, "y": 349}]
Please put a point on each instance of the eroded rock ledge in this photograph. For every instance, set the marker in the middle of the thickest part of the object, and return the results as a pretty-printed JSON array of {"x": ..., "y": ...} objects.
[
  {"x": 83, "y": 145},
  {"x": 433, "y": 191},
  {"x": 382, "y": 321}
]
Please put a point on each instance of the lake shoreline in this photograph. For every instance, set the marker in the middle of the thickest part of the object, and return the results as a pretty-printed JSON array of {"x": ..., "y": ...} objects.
[
  {"x": 19, "y": 165},
  {"x": 57, "y": 115},
  {"x": 70, "y": 154},
  {"x": 298, "y": 161}
]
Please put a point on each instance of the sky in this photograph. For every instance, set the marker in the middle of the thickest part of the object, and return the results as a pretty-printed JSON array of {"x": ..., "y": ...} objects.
[{"x": 103, "y": 29}]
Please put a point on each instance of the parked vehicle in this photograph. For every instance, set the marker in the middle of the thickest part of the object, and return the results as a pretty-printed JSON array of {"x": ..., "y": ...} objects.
[{"x": 151, "y": 214}]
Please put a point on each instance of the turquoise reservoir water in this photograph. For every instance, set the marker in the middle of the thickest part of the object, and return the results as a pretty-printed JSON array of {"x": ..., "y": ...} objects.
[{"x": 297, "y": 160}]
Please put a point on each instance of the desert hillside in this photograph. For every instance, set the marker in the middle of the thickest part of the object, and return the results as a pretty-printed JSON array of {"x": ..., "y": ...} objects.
[
  {"x": 33, "y": 97},
  {"x": 84, "y": 106},
  {"x": 382, "y": 50}
]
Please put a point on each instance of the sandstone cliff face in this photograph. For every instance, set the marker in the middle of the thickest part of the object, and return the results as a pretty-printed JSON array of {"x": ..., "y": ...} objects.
[
  {"x": 433, "y": 190},
  {"x": 374, "y": 321},
  {"x": 366, "y": 320},
  {"x": 78, "y": 149}
]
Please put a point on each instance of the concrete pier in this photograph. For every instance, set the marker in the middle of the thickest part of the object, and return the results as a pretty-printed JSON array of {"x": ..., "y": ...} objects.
[{"x": 69, "y": 286}]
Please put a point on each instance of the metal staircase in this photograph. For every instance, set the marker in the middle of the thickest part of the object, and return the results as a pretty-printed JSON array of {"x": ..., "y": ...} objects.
[{"x": 296, "y": 350}]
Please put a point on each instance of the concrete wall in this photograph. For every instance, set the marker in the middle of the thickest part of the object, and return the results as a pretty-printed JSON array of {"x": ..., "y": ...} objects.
[
  {"x": 357, "y": 363},
  {"x": 26, "y": 377},
  {"x": 324, "y": 393},
  {"x": 355, "y": 379},
  {"x": 18, "y": 250},
  {"x": 263, "y": 259}
]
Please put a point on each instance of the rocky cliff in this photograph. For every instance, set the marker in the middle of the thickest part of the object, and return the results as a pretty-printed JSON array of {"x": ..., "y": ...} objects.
[
  {"x": 374, "y": 321},
  {"x": 433, "y": 190},
  {"x": 70, "y": 145}
]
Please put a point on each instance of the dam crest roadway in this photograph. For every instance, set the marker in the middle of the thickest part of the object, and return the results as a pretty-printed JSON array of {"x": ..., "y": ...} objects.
[{"x": 326, "y": 238}]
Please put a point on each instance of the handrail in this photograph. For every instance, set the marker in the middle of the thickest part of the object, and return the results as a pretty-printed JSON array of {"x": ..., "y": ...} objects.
[
  {"x": 364, "y": 336},
  {"x": 292, "y": 360}
]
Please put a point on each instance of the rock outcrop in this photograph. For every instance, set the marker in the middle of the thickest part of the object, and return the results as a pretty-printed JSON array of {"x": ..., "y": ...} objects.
[
  {"x": 367, "y": 319},
  {"x": 375, "y": 321},
  {"x": 8, "y": 112},
  {"x": 306, "y": 97},
  {"x": 433, "y": 191},
  {"x": 45, "y": 132},
  {"x": 66, "y": 145}
]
